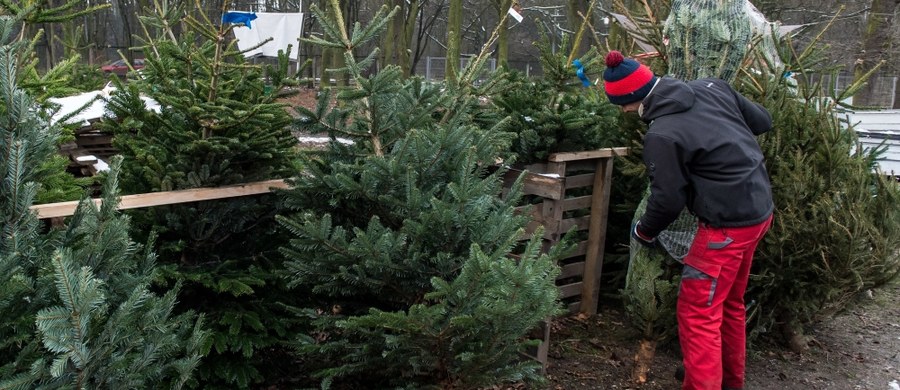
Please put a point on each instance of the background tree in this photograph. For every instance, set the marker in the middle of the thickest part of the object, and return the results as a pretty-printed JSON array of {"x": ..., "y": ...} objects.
[
  {"x": 454, "y": 39},
  {"x": 876, "y": 44},
  {"x": 397, "y": 43},
  {"x": 577, "y": 12},
  {"x": 502, "y": 7}
]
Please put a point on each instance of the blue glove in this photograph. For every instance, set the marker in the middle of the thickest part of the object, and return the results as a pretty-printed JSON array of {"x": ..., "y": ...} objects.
[{"x": 648, "y": 242}]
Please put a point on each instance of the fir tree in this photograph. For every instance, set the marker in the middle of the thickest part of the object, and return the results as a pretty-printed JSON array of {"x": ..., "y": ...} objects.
[
  {"x": 104, "y": 328},
  {"x": 219, "y": 124},
  {"x": 556, "y": 113},
  {"x": 835, "y": 222},
  {"x": 77, "y": 311},
  {"x": 837, "y": 226},
  {"x": 403, "y": 239}
]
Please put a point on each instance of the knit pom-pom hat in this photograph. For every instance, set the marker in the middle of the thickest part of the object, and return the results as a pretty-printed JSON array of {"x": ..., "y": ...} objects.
[{"x": 626, "y": 80}]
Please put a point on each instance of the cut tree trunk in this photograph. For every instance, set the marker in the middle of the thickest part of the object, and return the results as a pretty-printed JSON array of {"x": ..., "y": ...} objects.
[{"x": 642, "y": 360}]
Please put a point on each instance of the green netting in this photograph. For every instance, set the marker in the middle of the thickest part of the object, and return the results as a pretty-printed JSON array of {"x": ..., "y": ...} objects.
[
  {"x": 676, "y": 239},
  {"x": 707, "y": 38}
]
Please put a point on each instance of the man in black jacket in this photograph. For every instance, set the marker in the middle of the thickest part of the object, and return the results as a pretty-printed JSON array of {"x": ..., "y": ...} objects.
[{"x": 701, "y": 153}]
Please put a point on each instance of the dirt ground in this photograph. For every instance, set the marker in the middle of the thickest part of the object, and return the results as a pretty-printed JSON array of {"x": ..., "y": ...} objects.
[{"x": 856, "y": 350}]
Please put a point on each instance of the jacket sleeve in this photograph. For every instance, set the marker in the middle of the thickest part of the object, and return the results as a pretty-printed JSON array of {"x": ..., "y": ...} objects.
[
  {"x": 666, "y": 163},
  {"x": 758, "y": 119}
]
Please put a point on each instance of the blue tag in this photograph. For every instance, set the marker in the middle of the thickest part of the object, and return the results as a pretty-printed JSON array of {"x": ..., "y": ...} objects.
[
  {"x": 579, "y": 70},
  {"x": 238, "y": 17}
]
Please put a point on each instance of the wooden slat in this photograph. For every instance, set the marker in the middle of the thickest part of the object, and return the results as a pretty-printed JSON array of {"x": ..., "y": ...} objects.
[
  {"x": 570, "y": 270},
  {"x": 64, "y": 209},
  {"x": 89, "y": 140},
  {"x": 535, "y": 184},
  {"x": 599, "y": 153},
  {"x": 593, "y": 264},
  {"x": 573, "y": 167},
  {"x": 570, "y": 290},
  {"x": 579, "y": 181},
  {"x": 581, "y": 223},
  {"x": 573, "y": 307},
  {"x": 579, "y": 202}
]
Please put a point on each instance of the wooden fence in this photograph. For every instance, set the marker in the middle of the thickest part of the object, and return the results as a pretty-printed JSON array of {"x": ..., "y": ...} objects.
[{"x": 569, "y": 192}]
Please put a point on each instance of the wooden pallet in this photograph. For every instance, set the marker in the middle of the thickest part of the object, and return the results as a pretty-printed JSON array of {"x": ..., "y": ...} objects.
[{"x": 570, "y": 191}]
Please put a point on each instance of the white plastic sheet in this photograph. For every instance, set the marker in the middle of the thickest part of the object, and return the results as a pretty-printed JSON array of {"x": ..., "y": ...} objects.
[{"x": 283, "y": 28}]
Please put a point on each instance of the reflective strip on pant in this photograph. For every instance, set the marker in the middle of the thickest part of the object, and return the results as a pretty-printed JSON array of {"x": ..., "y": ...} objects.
[{"x": 711, "y": 313}]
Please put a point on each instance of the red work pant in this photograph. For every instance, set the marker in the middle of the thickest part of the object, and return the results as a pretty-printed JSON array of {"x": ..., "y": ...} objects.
[{"x": 711, "y": 313}]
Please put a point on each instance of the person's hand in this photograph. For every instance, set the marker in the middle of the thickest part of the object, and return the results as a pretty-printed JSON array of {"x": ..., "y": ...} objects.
[{"x": 648, "y": 242}]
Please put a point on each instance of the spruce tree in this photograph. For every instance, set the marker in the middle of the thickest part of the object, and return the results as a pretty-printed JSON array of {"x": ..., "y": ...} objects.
[
  {"x": 77, "y": 310},
  {"x": 219, "y": 123},
  {"x": 403, "y": 240},
  {"x": 836, "y": 226}
]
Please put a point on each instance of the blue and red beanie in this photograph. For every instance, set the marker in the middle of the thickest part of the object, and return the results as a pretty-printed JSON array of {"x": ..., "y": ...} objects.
[{"x": 626, "y": 80}]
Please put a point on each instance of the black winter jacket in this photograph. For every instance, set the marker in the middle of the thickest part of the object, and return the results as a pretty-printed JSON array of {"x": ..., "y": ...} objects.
[{"x": 701, "y": 152}]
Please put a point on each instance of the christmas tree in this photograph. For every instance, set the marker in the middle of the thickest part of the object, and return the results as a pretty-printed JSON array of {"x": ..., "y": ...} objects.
[
  {"x": 837, "y": 226},
  {"x": 403, "y": 240},
  {"x": 219, "y": 123},
  {"x": 558, "y": 113},
  {"x": 77, "y": 308}
]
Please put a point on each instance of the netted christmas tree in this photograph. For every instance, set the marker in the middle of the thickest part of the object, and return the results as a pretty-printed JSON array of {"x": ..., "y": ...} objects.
[
  {"x": 707, "y": 38},
  {"x": 218, "y": 124},
  {"x": 77, "y": 310},
  {"x": 404, "y": 240}
]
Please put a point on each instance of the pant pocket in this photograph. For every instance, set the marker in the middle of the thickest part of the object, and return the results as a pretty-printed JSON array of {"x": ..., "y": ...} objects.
[{"x": 697, "y": 288}]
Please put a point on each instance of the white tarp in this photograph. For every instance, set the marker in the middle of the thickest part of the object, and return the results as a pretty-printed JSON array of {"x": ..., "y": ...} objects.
[
  {"x": 283, "y": 28},
  {"x": 94, "y": 110}
]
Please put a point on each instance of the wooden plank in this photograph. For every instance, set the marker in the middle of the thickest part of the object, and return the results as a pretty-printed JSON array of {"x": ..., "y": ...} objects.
[
  {"x": 579, "y": 181},
  {"x": 599, "y": 153},
  {"x": 580, "y": 250},
  {"x": 570, "y": 290},
  {"x": 576, "y": 166},
  {"x": 581, "y": 223},
  {"x": 578, "y": 202},
  {"x": 91, "y": 140},
  {"x": 64, "y": 209},
  {"x": 573, "y": 307},
  {"x": 570, "y": 270},
  {"x": 590, "y": 293},
  {"x": 536, "y": 184}
]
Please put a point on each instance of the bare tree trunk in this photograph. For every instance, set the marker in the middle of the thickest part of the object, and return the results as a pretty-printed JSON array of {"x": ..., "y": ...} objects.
[
  {"x": 124, "y": 11},
  {"x": 503, "y": 38},
  {"x": 454, "y": 31},
  {"x": 389, "y": 40},
  {"x": 574, "y": 11},
  {"x": 876, "y": 42},
  {"x": 423, "y": 32},
  {"x": 405, "y": 51},
  {"x": 327, "y": 56},
  {"x": 643, "y": 357}
]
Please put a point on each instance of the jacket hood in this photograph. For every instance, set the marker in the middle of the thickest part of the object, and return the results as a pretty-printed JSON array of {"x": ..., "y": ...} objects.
[{"x": 669, "y": 96}]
